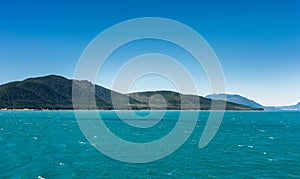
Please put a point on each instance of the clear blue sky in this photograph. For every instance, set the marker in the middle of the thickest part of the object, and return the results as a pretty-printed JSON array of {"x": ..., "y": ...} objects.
[{"x": 257, "y": 42}]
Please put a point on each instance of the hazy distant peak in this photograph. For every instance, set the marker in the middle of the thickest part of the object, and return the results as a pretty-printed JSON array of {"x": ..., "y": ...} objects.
[{"x": 235, "y": 98}]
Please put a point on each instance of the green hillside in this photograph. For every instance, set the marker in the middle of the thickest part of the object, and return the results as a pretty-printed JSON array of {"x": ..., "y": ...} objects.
[{"x": 55, "y": 92}]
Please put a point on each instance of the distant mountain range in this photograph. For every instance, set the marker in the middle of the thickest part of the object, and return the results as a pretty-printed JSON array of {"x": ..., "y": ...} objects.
[
  {"x": 55, "y": 92},
  {"x": 247, "y": 102},
  {"x": 235, "y": 99},
  {"x": 293, "y": 107}
]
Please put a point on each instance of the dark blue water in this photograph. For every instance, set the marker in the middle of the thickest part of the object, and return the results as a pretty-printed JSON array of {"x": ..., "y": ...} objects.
[{"x": 49, "y": 144}]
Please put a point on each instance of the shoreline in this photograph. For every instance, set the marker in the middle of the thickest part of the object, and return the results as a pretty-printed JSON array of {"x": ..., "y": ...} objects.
[{"x": 107, "y": 110}]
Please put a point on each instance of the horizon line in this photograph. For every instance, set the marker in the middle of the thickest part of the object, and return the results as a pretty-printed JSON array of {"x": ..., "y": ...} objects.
[{"x": 150, "y": 90}]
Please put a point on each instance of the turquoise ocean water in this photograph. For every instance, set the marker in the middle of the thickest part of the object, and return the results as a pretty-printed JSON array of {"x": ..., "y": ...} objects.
[{"x": 49, "y": 144}]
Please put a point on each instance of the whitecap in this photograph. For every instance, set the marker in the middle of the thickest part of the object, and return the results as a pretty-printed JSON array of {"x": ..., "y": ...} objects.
[
  {"x": 39, "y": 177},
  {"x": 80, "y": 142},
  {"x": 271, "y": 137},
  {"x": 240, "y": 145},
  {"x": 265, "y": 153},
  {"x": 35, "y": 138},
  {"x": 95, "y": 137},
  {"x": 61, "y": 164},
  {"x": 169, "y": 173},
  {"x": 250, "y": 146}
]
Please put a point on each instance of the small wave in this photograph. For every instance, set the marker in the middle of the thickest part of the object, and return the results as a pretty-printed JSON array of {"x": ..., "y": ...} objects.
[
  {"x": 169, "y": 174},
  {"x": 80, "y": 142}
]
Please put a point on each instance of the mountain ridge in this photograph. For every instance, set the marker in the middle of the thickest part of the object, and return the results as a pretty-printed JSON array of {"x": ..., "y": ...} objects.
[{"x": 55, "y": 92}]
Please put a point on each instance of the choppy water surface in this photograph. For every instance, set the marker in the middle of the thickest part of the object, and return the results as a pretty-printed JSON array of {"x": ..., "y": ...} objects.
[{"x": 49, "y": 144}]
